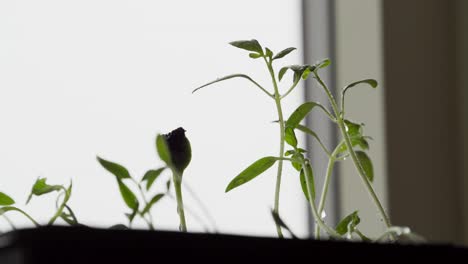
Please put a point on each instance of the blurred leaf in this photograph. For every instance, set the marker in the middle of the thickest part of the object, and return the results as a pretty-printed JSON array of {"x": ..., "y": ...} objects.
[
  {"x": 152, "y": 202},
  {"x": 373, "y": 83},
  {"x": 290, "y": 137},
  {"x": 250, "y": 45},
  {"x": 5, "y": 199},
  {"x": 238, "y": 75},
  {"x": 118, "y": 170},
  {"x": 257, "y": 168},
  {"x": 254, "y": 55},
  {"x": 304, "y": 182},
  {"x": 163, "y": 149},
  {"x": 322, "y": 64},
  {"x": 283, "y": 53},
  {"x": 355, "y": 142},
  {"x": 40, "y": 187},
  {"x": 131, "y": 216},
  {"x": 302, "y": 111},
  {"x": 348, "y": 224},
  {"x": 128, "y": 196},
  {"x": 366, "y": 164},
  {"x": 353, "y": 129},
  {"x": 268, "y": 52},
  {"x": 68, "y": 219},
  {"x": 5, "y": 209},
  {"x": 151, "y": 176},
  {"x": 298, "y": 70}
]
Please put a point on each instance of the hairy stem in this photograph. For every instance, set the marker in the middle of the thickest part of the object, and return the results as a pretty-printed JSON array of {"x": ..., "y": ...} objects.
[
  {"x": 177, "y": 179},
  {"x": 349, "y": 146},
  {"x": 279, "y": 109}
]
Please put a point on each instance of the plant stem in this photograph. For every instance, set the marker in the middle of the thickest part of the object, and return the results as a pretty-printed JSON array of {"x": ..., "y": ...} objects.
[
  {"x": 177, "y": 178},
  {"x": 326, "y": 184},
  {"x": 149, "y": 221},
  {"x": 60, "y": 209},
  {"x": 277, "y": 98},
  {"x": 349, "y": 146},
  {"x": 317, "y": 217}
]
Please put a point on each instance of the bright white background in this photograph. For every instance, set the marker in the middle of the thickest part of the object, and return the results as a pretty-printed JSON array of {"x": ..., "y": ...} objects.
[{"x": 86, "y": 78}]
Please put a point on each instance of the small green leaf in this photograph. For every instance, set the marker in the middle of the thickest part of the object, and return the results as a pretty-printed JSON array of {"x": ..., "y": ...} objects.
[
  {"x": 163, "y": 149},
  {"x": 40, "y": 187},
  {"x": 5, "y": 199},
  {"x": 366, "y": 164},
  {"x": 322, "y": 64},
  {"x": 128, "y": 196},
  {"x": 348, "y": 224},
  {"x": 290, "y": 137},
  {"x": 359, "y": 141},
  {"x": 373, "y": 83},
  {"x": 268, "y": 52},
  {"x": 119, "y": 171},
  {"x": 250, "y": 45},
  {"x": 304, "y": 182},
  {"x": 152, "y": 202},
  {"x": 298, "y": 70},
  {"x": 302, "y": 111},
  {"x": 254, "y": 55},
  {"x": 298, "y": 158},
  {"x": 257, "y": 168},
  {"x": 151, "y": 176},
  {"x": 238, "y": 75},
  {"x": 353, "y": 129},
  {"x": 289, "y": 152},
  {"x": 283, "y": 53}
]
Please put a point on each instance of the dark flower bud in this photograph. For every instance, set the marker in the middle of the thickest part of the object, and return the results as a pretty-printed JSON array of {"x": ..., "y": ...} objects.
[{"x": 179, "y": 148}]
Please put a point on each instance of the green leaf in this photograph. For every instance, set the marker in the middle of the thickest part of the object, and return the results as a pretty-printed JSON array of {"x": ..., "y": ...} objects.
[
  {"x": 359, "y": 141},
  {"x": 322, "y": 64},
  {"x": 68, "y": 219},
  {"x": 257, "y": 168},
  {"x": 268, "y": 52},
  {"x": 254, "y": 55},
  {"x": 131, "y": 216},
  {"x": 348, "y": 224},
  {"x": 238, "y": 75},
  {"x": 152, "y": 202},
  {"x": 40, "y": 187},
  {"x": 5, "y": 209},
  {"x": 151, "y": 176},
  {"x": 373, "y": 83},
  {"x": 119, "y": 171},
  {"x": 366, "y": 164},
  {"x": 283, "y": 53},
  {"x": 353, "y": 129},
  {"x": 313, "y": 134},
  {"x": 250, "y": 45},
  {"x": 290, "y": 137},
  {"x": 302, "y": 111},
  {"x": 298, "y": 70},
  {"x": 128, "y": 196},
  {"x": 298, "y": 158},
  {"x": 304, "y": 182},
  {"x": 5, "y": 199},
  {"x": 163, "y": 150}
]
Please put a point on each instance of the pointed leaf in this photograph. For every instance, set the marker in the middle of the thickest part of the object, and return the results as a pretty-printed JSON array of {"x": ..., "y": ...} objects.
[
  {"x": 302, "y": 111},
  {"x": 283, "y": 53},
  {"x": 373, "y": 83},
  {"x": 40, "y": 187},
  {"x": 128, "y": 196},
  {"x": 257, "y": 168},
  {"x": 119, "y": 171},
  {"x": 152, "y": 202},
  {"x": 366, "y": 164},
  {"x": 304, "y": 182},
  {"x": 322, "y": 64},
  {"x": 237, "y": 75},
  {"x": 290, "y": 137},
  {"x": 348, "y": 224},
  {"x": 5, "y": 199},
  {"x": 163, "y": 149},
  {"x": 298, "y": 70},
  {"x": 151, "y": 176},
  {"x": 268, "y": 52},
  {"x": 250, "y": 45}
]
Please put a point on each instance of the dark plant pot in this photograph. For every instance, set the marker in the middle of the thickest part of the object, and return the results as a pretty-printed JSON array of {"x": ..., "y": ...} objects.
[{"x": 67, "y": 245}]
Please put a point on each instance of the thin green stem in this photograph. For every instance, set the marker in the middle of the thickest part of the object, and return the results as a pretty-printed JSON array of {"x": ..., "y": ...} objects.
[
  {"x": 352, "y": 153},
  {"x": 281, "y": 148},
  {"x": 315, "y": 213},
  {"x": 12, "y": 208},
  {"x": 290, "y": 89},
  {"x": 177, "y": 179},
  {"x": 326, "y": 185},
  {"x": 61, "y": 207},
  {"x": 149, "y": 221}
]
